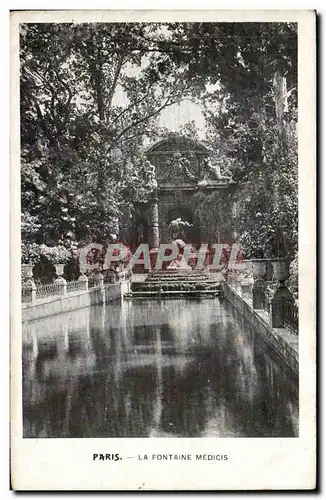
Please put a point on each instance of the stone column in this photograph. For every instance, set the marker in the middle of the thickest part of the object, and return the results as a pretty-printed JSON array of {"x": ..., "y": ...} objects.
[{"x": 153, "y": 229}]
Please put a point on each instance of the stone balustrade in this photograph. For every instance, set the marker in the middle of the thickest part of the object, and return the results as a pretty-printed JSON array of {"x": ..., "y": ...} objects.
[
  {"x": 268, "y": 292},
  {"x": 32, "y": 292},
  {"x": 282, "y": 340}
]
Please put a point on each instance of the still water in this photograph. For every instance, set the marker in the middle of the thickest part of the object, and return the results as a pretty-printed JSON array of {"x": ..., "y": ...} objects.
[{"x": 173, "y": 368}]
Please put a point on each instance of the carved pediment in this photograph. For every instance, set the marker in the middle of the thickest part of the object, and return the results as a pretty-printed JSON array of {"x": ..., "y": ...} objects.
[
  {"x": 177, "y": 162},
  {"x": 181, "y": 160},
  {"x": 177, "y": 143}
]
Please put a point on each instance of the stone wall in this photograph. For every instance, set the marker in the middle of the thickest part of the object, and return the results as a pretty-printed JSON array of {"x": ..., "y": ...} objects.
[
  {"x": 284, "y": 342},
  {"x": 57, "y": 305}
]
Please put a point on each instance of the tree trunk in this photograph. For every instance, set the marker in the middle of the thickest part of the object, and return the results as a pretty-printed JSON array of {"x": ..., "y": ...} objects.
[{"x": 281, "y": 101}]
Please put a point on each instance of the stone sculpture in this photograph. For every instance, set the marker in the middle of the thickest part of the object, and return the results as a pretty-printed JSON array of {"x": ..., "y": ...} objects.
[
  {"x": 185, "y": 164},
  {"x": 213, "y": 172},
  {"x": 151, "y": 174}
]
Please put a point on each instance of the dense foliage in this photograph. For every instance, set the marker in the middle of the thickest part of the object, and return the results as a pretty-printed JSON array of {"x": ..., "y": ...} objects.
[
  {"x": 251, "y": 116},
  {"x": 91, "y": 96},
  {"x": 82, "y": 160}
]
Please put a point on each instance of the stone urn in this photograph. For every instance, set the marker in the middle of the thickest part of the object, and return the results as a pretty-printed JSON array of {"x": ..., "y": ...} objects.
[
  {"x": 27, "y": 271},
  {"x": 259, "y": 268},
  {"x": 280, "y": 269},
  {"x": 59, "y": 269},
  {"x": 247, "y": 264}
]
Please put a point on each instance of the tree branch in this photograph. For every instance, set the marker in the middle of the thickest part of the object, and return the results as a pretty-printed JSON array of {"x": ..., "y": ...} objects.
[
  {"x": 145, "y": 118},
  {"x": 132, "y": 105},
  {"x": 125, "y": 139},
  {"x": 54, "y": 96}
]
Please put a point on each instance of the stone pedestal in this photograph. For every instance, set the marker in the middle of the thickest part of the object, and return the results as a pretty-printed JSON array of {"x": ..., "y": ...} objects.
[
  {"x": 99, "y": 280},
  {"x": 238, "y": 287},
  {"x": 28, "y": 285},
  {"x": 84, "y": 280},
  {"x": 62, "y": 285},
  {"x": 259, "y": 286},
  {"x": 281, "y": 298},
  {"x": 258, "y": 294},
  {"x": 29, "y": 291},
  {"x": 245, "y": 287},
  {"x": 100, "y": 283}
]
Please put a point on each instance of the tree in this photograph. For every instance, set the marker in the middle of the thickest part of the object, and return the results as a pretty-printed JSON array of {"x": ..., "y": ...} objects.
[
  {"x": 82, "y": 146},
  {"x": 213, "y": 211},
  {"x": 251, "y": 119}
]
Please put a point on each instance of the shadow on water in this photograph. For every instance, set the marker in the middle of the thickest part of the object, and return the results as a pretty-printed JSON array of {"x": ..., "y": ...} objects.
[{"x": 154, "y": 369}]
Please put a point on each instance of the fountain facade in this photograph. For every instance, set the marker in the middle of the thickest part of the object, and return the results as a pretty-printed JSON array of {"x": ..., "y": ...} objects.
[{"x": 179, "y": 168}]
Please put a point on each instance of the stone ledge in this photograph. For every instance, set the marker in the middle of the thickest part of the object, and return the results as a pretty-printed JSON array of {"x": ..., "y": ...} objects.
[
  {"x": 76, "y": 300},
  {"x": 52, "y": 298},
  {"x": 283, "y": 341}
]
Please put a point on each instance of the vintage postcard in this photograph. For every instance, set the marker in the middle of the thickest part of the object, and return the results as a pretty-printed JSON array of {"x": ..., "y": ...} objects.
[{"x": 163, "y": 250}]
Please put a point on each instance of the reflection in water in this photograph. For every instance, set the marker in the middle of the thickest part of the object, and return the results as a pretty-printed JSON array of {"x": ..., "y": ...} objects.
[{"x": 154, "y": 369}]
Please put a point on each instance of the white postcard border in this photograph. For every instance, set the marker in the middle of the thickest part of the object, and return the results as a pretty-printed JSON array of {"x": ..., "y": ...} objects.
[{"x": 268, "y": 463}]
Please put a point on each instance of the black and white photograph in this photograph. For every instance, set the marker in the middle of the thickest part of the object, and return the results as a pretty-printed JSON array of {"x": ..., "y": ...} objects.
[{"x": 159, "y": 232}]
